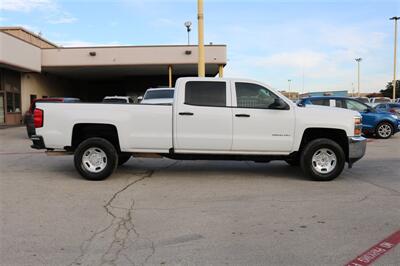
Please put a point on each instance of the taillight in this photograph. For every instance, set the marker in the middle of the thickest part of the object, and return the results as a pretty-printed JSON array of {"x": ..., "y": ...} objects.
[
  {"x": 38, "y": 118},
  {"x": 393, "y": 111},
  {"x": 357, "y": 126}
]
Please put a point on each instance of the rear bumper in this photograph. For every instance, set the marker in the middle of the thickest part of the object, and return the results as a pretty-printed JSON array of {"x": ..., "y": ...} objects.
[
  {"x": 357, "y": 148},
  {"x": 38, "y": 142}
]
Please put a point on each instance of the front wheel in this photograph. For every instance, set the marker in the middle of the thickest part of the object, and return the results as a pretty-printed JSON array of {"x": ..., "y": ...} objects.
[
  {"x": 322, "y": 160},
  {"x": 95, "y": 159},
  {"x": 384, "y": 130}
]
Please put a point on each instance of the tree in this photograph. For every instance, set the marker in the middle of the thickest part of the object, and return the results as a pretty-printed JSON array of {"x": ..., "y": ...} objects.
[{"x": 388, "y": 92}]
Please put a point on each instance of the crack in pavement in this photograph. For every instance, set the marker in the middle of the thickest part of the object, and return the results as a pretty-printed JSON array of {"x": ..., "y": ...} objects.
[
  {"x": 123, "y": 221},
  {"x": 124, "y": 226}
]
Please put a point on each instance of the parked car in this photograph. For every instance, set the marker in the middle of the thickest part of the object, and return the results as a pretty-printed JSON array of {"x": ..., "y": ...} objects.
[
  {"x": 393, "y": 108},
  {"x": 28, "y": 116},
  {"x": 158, "y": 96},
  {"x": 211, "y": 119},
  {"x": 377, "y": 100},
  {"x": 381, "y": 124},
  {"x": 118, "y": 99},
  {"x": 362, "y": 99}
]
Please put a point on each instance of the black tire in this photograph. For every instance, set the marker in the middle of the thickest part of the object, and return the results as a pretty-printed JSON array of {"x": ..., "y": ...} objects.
[
  {"x": 306, "y": 159},
  {"x": 111, "y": 158},
  {"x": 123, "y": 158},
  {"x": 380, "y": 134}
]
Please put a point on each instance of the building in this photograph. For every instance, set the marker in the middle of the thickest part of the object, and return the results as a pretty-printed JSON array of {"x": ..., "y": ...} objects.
[{"x": 32, "y": 67}]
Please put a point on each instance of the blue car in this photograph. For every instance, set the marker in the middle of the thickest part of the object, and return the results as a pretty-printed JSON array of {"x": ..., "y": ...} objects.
[{"x": 379, "y": 123}]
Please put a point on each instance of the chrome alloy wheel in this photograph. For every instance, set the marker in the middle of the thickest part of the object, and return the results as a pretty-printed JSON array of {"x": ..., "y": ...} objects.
[
  {"x": 94, "y": 160},
  {"x": 324, "y": 161},
  {"x": 384, "y": 130}
]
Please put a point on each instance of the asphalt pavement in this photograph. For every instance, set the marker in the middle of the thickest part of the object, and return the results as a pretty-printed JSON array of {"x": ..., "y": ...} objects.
[{"x": 166, "y": 212}]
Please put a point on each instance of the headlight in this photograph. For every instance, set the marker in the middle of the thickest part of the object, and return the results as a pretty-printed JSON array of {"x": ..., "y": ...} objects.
[
  {"x": 394, "y": 116},
  {"x": 357, "y": 126}
]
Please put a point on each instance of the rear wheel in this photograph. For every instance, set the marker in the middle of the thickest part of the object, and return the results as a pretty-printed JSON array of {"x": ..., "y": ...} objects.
[
  {"x": 384, "y": 130},
  {"x": 95, "y": 159},
  {"x": 322, "y": 160}
]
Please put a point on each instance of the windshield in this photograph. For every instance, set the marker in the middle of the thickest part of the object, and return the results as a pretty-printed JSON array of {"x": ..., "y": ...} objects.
[
  {"x": 159, "y": 94},
  {"x": 364, "y": 100},
  {"x": 356, "y": 106},
  {"x": 382, "y": 100}
]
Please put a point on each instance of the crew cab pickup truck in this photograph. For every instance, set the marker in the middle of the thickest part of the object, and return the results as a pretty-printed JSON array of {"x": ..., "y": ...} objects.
[{"x": 210, "y": 119}]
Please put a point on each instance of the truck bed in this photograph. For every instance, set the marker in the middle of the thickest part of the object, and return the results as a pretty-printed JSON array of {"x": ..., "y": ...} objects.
[{"x": 147, "y": 128}]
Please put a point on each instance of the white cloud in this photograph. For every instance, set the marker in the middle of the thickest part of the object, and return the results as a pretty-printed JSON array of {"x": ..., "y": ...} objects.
[
  {"x": 26, "y": 5},
  {"x": 54, "y": 13},
  {"x": 81, "y": 43},
  {"x": 301, "y": 59},
  {"x": 62, "y": 18}
]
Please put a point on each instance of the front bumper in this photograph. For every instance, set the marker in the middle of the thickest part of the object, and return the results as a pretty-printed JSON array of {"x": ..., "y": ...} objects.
[
  {"x": 357, "y": 148},
  {"x": 38, "y": 142}
]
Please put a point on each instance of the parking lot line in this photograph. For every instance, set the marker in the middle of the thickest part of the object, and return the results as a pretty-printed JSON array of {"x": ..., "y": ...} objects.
[{"x": 376, "y": 251}]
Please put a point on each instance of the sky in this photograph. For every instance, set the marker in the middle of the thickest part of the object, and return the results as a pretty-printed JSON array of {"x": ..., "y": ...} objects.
[{"x": 312, "y": 43}]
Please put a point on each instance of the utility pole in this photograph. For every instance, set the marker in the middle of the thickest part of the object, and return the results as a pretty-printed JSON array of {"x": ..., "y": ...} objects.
[
  {"x": 358, "y": 74},
  {"x": 395, "y": 48},
  {"x": 201, "y": 69}
]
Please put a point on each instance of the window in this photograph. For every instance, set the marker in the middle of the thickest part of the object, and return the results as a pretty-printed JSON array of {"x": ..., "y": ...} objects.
[
  {"x": 17, "y": 102},
  {"x": 324, "y": 102},
  {"x": 251, "y": 95},
  {"x": 205, "y": 93},
  {"x": 340, "y": 104},
  {"x": 159, "y": 94},
  {"x": 356, "y": 106},
  {"x": 10, "y": 102}
]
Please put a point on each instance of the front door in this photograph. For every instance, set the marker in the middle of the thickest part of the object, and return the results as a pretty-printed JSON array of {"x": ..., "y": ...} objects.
[
  {"x": 258, "y": 126},
  {"x": 203, "y": 118}
]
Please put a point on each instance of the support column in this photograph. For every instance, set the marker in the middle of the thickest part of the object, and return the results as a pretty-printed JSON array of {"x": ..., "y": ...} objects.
[
  {"x": 221, "y": 71},
  {"x": 200, "y": 21},
  {"x": 170, "y": 76}
]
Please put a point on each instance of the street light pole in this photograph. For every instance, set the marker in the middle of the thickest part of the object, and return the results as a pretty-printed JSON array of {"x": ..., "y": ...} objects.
[
  {"x": 289, "y": 81},
  {"x": 394, "y": 63},
  {"x": 201, "y": 68},
  {"x": 358, "y": 75},
  {"x": 188, "y": 24}
]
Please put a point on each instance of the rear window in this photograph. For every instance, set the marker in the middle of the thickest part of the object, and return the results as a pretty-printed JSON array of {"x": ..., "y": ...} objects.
[
  {"x": 206, "y": 93},
  {"x": 159, "y": 94},
  {"x": 320, "y": 102}
]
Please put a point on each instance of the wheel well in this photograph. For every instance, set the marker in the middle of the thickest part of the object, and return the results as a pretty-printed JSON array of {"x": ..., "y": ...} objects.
[
  {"x": 387, "y": 121},
  {"x": 82, "y": 132},
  {"x": 337, "y": 135}
]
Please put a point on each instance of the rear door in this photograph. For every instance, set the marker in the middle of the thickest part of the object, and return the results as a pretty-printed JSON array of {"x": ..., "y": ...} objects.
[
  {"x": 203, "y": 117},
  {"x": 257, "y": 125}
]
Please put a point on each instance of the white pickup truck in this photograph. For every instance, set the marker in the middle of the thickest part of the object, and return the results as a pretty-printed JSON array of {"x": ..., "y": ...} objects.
[{"x": 210, "y": 119}]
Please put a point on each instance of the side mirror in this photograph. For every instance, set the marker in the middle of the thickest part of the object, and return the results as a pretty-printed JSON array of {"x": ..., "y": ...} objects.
[
  {"x": 140, "y": 98},
  {"x": 279, "y": 104}
]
